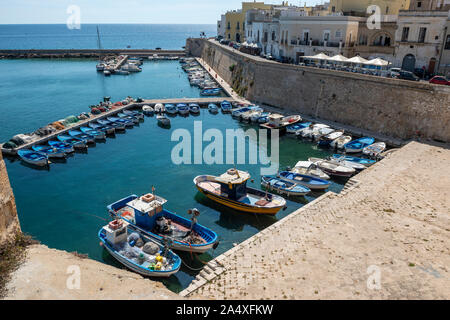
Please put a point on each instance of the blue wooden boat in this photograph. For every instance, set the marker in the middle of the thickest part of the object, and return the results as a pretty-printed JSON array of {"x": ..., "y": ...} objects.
[
  {"x": 182, "y": 109},
  {"x": 211, "y": 92},
  {"x": 294, "y": 128},
  {"x": 107, "y": 129},
  {"x": 263, "y": 119},
  {"x": 74, "y": 142},
  {"x": 67, "y": 147},
  {"x": 50, "y": 152},
  {"x": 116, "y": 125},
  {"x": 237, "y": 112},
  {"x": 133, "y": 119},
  {"x": 194, "y": 108},
  {"x": 213, "y": 108},
  {"x": 358, "y": 145},
  {"x": 97, "y": 134},
  {"x": 132, "y": 113},
  {"x": 171, "y": 109},
  {"x": 226, "y": 106},
  {"x": 125, "y": 122},
  {"x": 363, "y": 161},
  {"x": 148, "y": 215},
  {"x": 311, "y": 182},
  {"x": 284, "y": 187},
  {"x": 33, "y": 157},
  {"x": 83, "y": 136},
  {"x": 149, "y": 258}
]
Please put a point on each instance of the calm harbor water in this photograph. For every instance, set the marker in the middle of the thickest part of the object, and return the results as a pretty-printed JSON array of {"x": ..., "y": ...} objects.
[
  {"x": 65, "y": 206},
  {"x": 113, "y": 36}
]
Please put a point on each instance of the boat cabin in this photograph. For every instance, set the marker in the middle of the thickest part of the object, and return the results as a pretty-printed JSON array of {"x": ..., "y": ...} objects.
[
  {"x": 233, "y": 183},
  {"x": 275, "y": 120},
  {"x": 146, "y": 209}
]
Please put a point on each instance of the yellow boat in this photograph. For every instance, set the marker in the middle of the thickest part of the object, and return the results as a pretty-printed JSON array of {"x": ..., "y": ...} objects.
[{"x": 230, "y": 189}]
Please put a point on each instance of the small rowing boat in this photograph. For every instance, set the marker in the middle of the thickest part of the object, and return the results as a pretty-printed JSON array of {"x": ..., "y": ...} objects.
[
  {"x": 350, "y": 164},
  {"x": 309, "y": 131},
  {"x": 284, "y": 187},
  {"x": 137, "y": 251},
  {"x": 163, "y": 120},
  {"x": 294, "y": 128},
  {"x": 358, "y": 145},
  {"x": 340, "y": 142},
  {"x": 322, "y": 133},
  {"x": 74, "y": 142},
  {"x": 107, "y": 129},
  {"x": 147, "y": 213},
  {"x": 308, "y": 181},
  {"x": 148, "y": 111},
  {"x": 50, "y": 152},
  {"x": 211, "y": 92},
  {"x": 230, "y": 189},
  {"x": 325, "y": 141},
  {"x": 159, "y": 108},
  {"x": 194, "y": 108},
  {"x": 182, "y": 109},
  {"x": 212, "y": 108},
  {"x": 83, "y": 136},
  {"x": 256, "y": 116},
  {"x": 135, "y": 114},
  {"x": 125, "y": 122},
  {"x": 97, "y": 134},
  {"x": 66, "y": 147},
  {"x": 226, "y": 106},
  {"x": 374, "y": 150},
  {"x": 116, "y": 125},
  {"x": 366, "y": 162},
  {"x": 133, "y": 119},
  {"x": 171, "y": 109},
  {"x": 33, "y": 157},
  {"x": 333, "y": 168}
]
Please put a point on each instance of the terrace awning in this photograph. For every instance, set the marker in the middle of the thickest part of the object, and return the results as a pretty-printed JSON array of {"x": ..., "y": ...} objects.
[
  {"x": 357, "y": 59},
  {"x": 338, "y": 58},
  {"x": 378, "y": 62},
  {"x": 319, "y": 56}
]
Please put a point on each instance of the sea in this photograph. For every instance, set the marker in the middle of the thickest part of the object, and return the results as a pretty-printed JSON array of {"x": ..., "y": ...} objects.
[{"x": 65, "y": 206}]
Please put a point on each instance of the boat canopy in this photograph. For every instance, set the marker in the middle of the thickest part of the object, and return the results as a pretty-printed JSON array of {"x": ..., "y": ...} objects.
[{"x": 233, "y": 176}]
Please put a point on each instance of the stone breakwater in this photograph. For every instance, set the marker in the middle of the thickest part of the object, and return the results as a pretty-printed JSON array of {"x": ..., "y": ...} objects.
[
  {"x": 396, "y": 108},
  {"x": 9, "y": 223},
  {"x": 84, "y": 53}
]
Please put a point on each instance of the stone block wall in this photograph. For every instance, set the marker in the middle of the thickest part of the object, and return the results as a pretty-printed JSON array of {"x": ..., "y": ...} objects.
[{"x": 9, "y": 222}]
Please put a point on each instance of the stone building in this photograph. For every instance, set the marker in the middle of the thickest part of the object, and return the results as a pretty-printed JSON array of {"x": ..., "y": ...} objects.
[
  {"x": 221, "y": 26},
  {"x": 359, "y": 7}
]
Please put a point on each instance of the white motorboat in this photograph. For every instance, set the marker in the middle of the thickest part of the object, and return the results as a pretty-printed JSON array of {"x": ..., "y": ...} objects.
[
  {"x": 147, "y": 110},
  {"x": 350, "y": 164},
  {"x": 308, "y": 132},
  {"x": 309, "y": 168},
  {"x": 159, "y": 108},
  {"x": 333, "y": 168},
  {"x": 375, "y": 149},
  {"x": 321, "y": 133},
  {"x": 340, "y": 142}
]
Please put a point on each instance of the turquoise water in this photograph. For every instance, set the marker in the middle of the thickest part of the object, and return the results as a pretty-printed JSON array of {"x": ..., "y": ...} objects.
[
  {"x": 112, "y": 36},
  {"x": 65, "y": 206}
]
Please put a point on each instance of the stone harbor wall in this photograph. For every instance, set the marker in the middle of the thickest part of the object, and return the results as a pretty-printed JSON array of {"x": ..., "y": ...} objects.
[
  {"x": 9, "y": 223},
  {"x": 396, "y": 108}
]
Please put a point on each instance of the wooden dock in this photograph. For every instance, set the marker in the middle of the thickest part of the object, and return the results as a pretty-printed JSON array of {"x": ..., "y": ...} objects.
[{"x": 112, "y": 112}]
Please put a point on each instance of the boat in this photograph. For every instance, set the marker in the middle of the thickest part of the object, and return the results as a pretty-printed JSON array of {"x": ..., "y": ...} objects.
[
  {"x": 230, "y": 189},
  {"x": 83, "y": 136},
  {"x": 147, "y": 110},
  {"x": 137, "y": 251},
  {"x": 333, "y": 168},
  {"x": 159, "y": 108},
  {"x": 128, "y": 117},
  {"x": 67, "y": 147},
  {"x": 50, "y": 152},
  {"x": 212, "y": 108},
  {"x": 116, "y": 125},
  {"x": 284, "y": 187},
  {"x": 98, "y": 135},
  {"x": 358, "y": 145},
  {"x": 325, "y": 141},
  {"x": 294, "y": 128},
  {"x": 309, "y": 131},
  {"x": 256, "y": 111},
  {"x": 256, "y": 116},
  {"x": 321, "y": 133},
  {"x": 171, "y": 109},
  {"x": 308, "y": 181},
  {"x": 77, "y": 143},
  {"x": 236, "y": 113},
  {"x": 211, "y": 92},
  {"x": 350, "y": 164},
  {"x": 163, "y": 120},
  {"x": 125, "y": 122},
  {"x": 340, "y": 142},
  {"x": 226, "y": 106},
  {"x": 182, "y": 109},
  {"x": 147, "y": 214},
  {"x": 279, "y": 122},
  {"x": 374, "y": 150},
  {"x": 263, "y": 118},
  {"x": 366, "y": 162},
  {"x": 107, "y": 73},
  {"x": 108, "y": 129},
  {"x": 135, "y": 114},
  {"x": 33, "y": 157},
  {"x": 194, "y": 108},
  {"x": 310, "y": 169}
]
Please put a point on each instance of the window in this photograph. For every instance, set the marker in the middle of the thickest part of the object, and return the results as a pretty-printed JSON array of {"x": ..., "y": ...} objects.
[
  {"x": 229, "y": 26},
  {"x": 273, "y": 36},
  {"x": 422, "y": 33},
  {"x": 405, "y": 33},
  {"x": 338, "y": 34},
  {"x": 237, "y": 26},
  {"x": 333, "y": 9},
  {"x": 326, "y": 36},
  {"x": 387, "y": 9},
  {"x": 419, "y": 4},
  {"x": 447, "y": 43}
]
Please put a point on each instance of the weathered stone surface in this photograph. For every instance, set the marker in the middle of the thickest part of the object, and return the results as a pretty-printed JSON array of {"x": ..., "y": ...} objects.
[
  {"x": 9, "y": 223},
  {"x": 396, "y": 108}
]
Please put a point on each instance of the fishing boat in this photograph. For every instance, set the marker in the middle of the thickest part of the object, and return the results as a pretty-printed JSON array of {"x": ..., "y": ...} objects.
[
  {"x": 147, "y": 110},
  {"x": 125, "y": 122},
  {"x": 333, "y": 168},
  {"x": 374, "y": 150},
  {"x": 358, "y": 145},
  {"x": 182, "y": 109},
  {"x": 284, "y": 187},
  {"x": 128, "y": 117},
  {"x": 294, "y": 128},
  {"x": 135, "y": 114},
  {"x": 66, "y": 147},
  {"x": 308, "y": 181},
  {"x": 310, "y": 169},
  {"x": 97, "y": 134},
  {"x": 147, "y": 213},
  {"x": 230, "y": 189},
  {"x": 340, "y": 142},
  {"x": 77, "y": 143},
  {"x": 171, "y": 109},
  {"x": 116, "y": 125},
  {"x": 309, "y": 131},
  {"x": 100, "y": 127},
  {"x": 137, "y": 251},
  {"x": 279, "y": 122},
  {"x": 194, "y": 108},
  {"x": 83, "y": 136},
  {"x": 212, "y": 108},
  {"x": 366, "y": 162},
  {"x": 33, "y": 157},
  {"x": 163, "y": 120},
  {"x": 226, "y": 106},
  {"x": 159, "y": 108},
  {"x": 50, "y": 152},
  {"x": 325, "y": 141},
  {"x": 211, "y": 92}
]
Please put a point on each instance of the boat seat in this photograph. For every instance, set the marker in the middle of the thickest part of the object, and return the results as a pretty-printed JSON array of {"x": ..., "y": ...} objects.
[{"x": 262, "y": 202}]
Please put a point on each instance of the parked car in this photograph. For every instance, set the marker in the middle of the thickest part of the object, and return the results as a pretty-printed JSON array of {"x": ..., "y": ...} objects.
[
  {"x": 422, "y": 74},
  {"x": 395, "y": 72},
  {"x": 407, "y": 75},
  {"x": 440, "y": 80},
  {"x": 225, "y": 42}
]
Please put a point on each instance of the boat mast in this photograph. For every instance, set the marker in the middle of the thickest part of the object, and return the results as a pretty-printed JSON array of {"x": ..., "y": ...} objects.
[{"x": 99, "y": 45}]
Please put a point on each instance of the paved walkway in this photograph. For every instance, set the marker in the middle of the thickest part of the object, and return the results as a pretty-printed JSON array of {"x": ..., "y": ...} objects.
[{"x": 394, "y": 223}]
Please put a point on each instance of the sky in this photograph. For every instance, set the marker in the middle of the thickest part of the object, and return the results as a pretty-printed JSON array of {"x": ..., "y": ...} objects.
[{"x": 125, "y": 11}]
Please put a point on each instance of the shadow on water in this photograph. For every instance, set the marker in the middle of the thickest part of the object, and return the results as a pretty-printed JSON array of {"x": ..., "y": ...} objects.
[{"x": 34, "y": 167}]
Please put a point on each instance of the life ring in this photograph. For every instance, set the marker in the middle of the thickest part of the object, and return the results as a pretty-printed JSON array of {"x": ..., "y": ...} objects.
[
  {"x": 148, "y": 198},
  {"x": 116, "y": 224}
]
